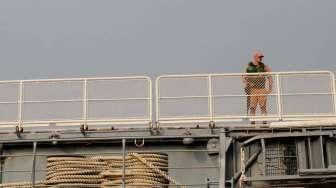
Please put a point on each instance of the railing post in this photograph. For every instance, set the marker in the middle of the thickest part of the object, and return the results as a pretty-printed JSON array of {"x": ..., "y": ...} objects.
[
  {"x": 157, "y": 100},
  {"x": 333, "y": 87},
  {"x": 20, "y": 104},
  {"x": 85, "y": 102},
  {"x": 150, "y": 105},
  {"x": 34, "y": 165},
  {"x": 210, "y": 98},
  {"x": 279, "y": 90}
]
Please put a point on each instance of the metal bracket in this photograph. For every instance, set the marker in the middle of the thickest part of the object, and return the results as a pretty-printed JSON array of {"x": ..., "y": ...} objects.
[
  {"x": 18, "y": 131},
  {"x": 83, "y": 129},
  {"x": 154, "y": 130},
  {"x": 54, "y": 137},
  {"x": 212, "y": 126}
]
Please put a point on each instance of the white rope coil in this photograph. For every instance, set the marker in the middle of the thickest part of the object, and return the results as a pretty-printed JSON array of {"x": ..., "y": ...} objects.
[{"x": 141, "y": 170}]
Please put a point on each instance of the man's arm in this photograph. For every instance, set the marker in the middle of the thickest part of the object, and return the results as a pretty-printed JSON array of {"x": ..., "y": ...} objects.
[
  {"x": 244, "y": 77},
  {"x": 270, "y": 79}
]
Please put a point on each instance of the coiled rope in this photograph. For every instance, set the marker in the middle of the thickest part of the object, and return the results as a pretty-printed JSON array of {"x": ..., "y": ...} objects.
[{"x": 141, "y": 170}]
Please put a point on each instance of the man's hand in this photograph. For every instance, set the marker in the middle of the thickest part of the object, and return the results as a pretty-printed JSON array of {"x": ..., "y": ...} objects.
[{"x": 269, "y": 89}]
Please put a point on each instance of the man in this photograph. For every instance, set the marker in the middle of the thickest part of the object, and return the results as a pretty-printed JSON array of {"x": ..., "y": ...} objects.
[{"x": 255, "y": 85}]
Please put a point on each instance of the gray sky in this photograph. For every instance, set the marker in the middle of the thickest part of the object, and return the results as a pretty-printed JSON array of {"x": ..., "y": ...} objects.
[{"x": 80, "y": 38}]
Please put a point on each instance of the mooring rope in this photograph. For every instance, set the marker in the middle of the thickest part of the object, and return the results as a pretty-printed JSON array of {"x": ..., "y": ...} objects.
[{"x": 141, "y": 170}]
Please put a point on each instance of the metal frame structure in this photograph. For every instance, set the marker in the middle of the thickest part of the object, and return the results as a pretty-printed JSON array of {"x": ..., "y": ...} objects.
[
  {"x": 240, "y": 151},
  {"x": 312, "y": 154},
  {"x": 241, "y": 155},
  {"x": 122, "y": 143}
]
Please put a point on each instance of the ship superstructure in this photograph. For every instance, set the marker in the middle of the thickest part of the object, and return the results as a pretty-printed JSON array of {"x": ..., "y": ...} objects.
[{"x": 181, "y": 131}]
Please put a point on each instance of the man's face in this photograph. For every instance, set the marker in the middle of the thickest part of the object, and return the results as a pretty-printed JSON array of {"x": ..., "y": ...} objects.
[{"x": 258, "y": 58}]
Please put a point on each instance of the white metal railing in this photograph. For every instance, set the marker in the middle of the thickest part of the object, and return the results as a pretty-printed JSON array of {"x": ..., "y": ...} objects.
[
  {"x": 220, "y": 97},
  {"x": 179, "y": 99},
  {"x": 105, "y": 100}
]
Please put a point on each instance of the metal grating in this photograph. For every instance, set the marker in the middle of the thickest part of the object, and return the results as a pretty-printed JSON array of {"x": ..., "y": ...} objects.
[{"x": 281, "y": 158}]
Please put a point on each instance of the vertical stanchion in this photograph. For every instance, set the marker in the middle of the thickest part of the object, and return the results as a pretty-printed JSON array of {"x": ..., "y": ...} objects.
[
  {"x": 210, "y": 98},
  {"x": 263, "y": 147},
  {"x": 34, "y": 164},
  {"x": 150, "y": 101},
  {"x": 333, "y": 88},
  {"x": 278, "y": 83},
  {"x": 123, "y": 156},
  {"x": 20, "y": 104},
  {"x": 310, "y": 155},
  {"x": 222, "y": 159},
  {"x": 157, "y": 100},
  {"x": 85, "y": 102},
  {"x": 322, "y": 154}
]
